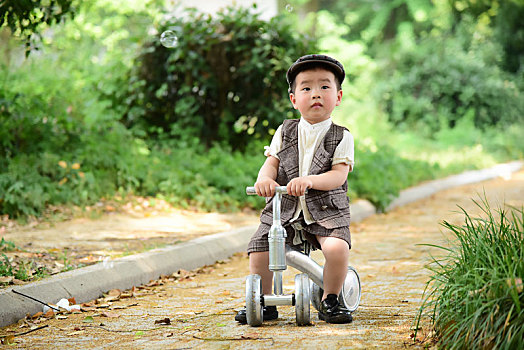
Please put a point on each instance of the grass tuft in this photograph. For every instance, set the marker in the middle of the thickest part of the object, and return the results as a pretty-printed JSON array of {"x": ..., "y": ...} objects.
[{"x": 475, "y": 297}]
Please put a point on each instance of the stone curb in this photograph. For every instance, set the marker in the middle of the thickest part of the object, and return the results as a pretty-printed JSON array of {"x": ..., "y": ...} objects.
[{"x": 90, "y": 282}]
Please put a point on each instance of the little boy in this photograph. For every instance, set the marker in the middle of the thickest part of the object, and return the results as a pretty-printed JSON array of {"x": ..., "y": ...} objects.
[{"x": 316, "y": 155}]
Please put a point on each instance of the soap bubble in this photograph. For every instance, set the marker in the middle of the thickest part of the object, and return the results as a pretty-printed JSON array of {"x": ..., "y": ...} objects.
[
  {"x": 168, "y": 38},
  {"x": 289, "y": 8}
]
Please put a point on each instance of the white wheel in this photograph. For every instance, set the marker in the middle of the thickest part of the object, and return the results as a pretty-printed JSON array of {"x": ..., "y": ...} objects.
[
  {"x": 351, "y": 290},
  {"x": 302, "y": 298},
  {"x": 316, "y": 295},
  {"x": 253, "y": 298},
  {"x": 349, "y": 295}
]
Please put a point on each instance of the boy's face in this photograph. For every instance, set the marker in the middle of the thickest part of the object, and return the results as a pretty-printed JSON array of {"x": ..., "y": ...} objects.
[{"x": 315, "y": 95}]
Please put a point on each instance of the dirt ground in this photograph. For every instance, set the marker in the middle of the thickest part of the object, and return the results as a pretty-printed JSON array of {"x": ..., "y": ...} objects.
[
  {"x": 61, "y": 246},
  {"x": 195, "y": 310}
]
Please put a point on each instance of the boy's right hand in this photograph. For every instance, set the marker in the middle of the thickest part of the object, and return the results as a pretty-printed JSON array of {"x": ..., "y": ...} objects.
[{"x": 265, "y": 187}]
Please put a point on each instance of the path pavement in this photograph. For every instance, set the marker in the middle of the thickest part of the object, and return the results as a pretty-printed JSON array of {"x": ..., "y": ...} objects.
[{"x": 89, "y": 283}]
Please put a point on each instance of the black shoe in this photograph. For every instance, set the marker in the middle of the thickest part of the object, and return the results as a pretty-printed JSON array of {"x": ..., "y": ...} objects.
[
  {"x": 268, "y": 313},
  {"x": 332, "y": 312}
]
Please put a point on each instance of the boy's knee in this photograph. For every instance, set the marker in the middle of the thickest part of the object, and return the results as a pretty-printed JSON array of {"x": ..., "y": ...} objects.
[{"x": 334, "y": 248}]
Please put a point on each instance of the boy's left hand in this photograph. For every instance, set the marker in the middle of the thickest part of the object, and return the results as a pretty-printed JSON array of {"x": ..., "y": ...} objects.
[{"x": 298, "y": 186}]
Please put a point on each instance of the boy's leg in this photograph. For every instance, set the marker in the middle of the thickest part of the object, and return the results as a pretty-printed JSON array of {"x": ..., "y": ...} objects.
[
  {"x": 259, "y": 264},
  {"x": 336, "y": 253}
]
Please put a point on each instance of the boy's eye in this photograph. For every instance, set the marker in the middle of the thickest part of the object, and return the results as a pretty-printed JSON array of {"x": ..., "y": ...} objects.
[
  {"x": 306, "y": 89},
  {"x": 325, "y": 87}
]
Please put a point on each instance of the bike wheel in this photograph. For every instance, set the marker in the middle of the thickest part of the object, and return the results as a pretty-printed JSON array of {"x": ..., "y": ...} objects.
[
  {"x": 316, "y": 295},
  {"x": 302, "y": 298},
  {"x": 253, "y": 300},
  {"x": 351, "y": 290}
]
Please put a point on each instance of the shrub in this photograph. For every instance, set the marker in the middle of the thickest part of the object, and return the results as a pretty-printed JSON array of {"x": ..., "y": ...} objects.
[
  {"x": 475, "y": 296},
  {"x": 439, "y": 82},
  {"x": 380, "y": 173},
  {"x": 223, "y": 81}
]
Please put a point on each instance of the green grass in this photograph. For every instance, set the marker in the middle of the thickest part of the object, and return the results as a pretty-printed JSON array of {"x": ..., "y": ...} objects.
[
  {"x": 475, "y": 297},
  {"x": 7, "y": 246}
]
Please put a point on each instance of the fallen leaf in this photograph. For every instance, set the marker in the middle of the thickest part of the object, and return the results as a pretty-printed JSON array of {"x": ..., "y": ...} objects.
[
  {"x": 8, "y": 340},
  {"x": 251, "y": 337},
  {"x": 112, "y": 298},
  {"x": 169, "y": 335},
  {"x": 114, "y": 292},
  {"x": 76, "y": 333},
  {"x": 126, "y": 295},
  {"x": 49, "y": 314},
  {"x": 37, "y": 315},
  {"x": 61, "y": 317},
  {"x": 72, "y": 301},
  {"x": 165, "y": 321},
  {"x": 88, "y": 319},
  {"x": 154, "y": 283},
  {"x": 118, "y": 307},
  {"x": 110, "y": 314},
  {"x": 226, "y": 292},
  {"x": 6, "y": 279}
]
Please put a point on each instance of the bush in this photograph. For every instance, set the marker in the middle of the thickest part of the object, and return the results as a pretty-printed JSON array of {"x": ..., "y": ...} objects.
[
  {"x": 380, "y": 173},
  {"x": 475, "y": 296},
  {"x": 439, "y": 82},
  {"x": 223, "y": 81}
]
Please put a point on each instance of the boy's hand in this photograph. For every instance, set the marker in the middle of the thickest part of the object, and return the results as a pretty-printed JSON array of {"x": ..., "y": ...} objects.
[
  {"x": 298, "y": 186},
  {"x": 265, "y": 187}
]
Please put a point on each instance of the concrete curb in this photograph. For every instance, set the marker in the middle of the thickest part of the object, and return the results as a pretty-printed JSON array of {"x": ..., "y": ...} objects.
[
  {"x": 90, "y": 282},
  {"x": 429, "y": 188}
]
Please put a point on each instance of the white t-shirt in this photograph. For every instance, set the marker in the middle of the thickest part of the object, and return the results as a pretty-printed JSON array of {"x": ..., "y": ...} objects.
[{"x": 309, "y": 138}]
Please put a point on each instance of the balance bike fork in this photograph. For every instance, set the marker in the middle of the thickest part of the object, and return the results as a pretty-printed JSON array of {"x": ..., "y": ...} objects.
[{"x": 277, "y": 241}]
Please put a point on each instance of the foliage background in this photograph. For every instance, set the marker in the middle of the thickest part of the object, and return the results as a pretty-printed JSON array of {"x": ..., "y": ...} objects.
[{"x": 102, "y": 110}]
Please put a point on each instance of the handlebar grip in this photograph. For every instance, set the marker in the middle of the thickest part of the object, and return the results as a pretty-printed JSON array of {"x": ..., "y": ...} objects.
[{"x": 250, "y": 191}]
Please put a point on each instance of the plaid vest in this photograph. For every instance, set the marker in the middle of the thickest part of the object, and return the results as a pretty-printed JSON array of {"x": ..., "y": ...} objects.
[{"x": 329, "y": 209}]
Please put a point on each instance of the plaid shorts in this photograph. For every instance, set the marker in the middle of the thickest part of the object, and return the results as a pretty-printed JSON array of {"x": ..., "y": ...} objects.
[{"x": 259, "y": 243}]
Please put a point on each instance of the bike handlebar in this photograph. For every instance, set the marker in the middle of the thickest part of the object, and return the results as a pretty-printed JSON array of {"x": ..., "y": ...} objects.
[{"x": 279, "y": 189}]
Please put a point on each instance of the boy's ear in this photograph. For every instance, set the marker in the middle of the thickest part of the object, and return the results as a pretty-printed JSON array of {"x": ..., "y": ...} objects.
[
  {"x": 293, "y": 99},
  {"x": 339, "y": 97}
]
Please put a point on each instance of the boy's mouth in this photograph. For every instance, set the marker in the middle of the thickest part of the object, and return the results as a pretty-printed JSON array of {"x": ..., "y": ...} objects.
[{"x": 318, "y": 104}]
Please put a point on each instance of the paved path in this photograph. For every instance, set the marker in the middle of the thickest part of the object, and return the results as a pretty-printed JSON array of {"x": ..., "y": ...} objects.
[{"x": 201, "y": 308}]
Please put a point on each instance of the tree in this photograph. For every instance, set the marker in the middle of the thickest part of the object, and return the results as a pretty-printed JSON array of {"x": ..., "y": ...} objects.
[
  {"x": 28, "y": 18},
  {"x": 505, "y": 17},
  {"x": 223, "y": 81}
]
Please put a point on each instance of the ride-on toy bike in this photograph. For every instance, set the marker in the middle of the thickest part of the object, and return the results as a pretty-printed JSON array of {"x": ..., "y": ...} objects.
[{"x": 305, "y": 291}]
